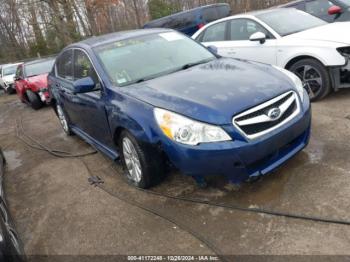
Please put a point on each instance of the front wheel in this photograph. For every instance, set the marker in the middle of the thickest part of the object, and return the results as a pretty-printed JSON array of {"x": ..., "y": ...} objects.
[
  {"x": 314, "y": 76},
  {"x": 143, "y": 167},
  {"x": 34, "y": 100}
]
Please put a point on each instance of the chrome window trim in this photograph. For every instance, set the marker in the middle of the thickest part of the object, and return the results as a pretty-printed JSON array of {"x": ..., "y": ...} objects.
[{"x": 260, "y": 119}]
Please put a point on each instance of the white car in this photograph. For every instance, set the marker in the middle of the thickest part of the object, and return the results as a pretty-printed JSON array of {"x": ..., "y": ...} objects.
[
  {"x": 314, "y": 50},
  {"x": 2, "y": 84},
  {"x": 8, "y": 73}
]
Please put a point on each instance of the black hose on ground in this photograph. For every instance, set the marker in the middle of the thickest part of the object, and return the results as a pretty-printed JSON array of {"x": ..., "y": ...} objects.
[
  {"x": 200, "y": 201},
  {"x": 244, "y": 209},
  {"x": 20, "y": 133},
  {"x": 97, "y": 182}
]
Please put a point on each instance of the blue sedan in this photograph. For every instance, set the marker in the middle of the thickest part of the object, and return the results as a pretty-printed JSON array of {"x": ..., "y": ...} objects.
[{"x": 152, "y": 97}]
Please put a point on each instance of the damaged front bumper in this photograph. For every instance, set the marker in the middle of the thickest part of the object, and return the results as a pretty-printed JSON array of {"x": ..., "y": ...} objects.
[
  {"x": 341, "y": 75},
  {"x": 44, "y": 95}
]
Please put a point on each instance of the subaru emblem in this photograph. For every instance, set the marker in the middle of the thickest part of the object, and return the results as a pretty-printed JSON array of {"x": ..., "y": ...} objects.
[{"x": 274, "y": 113}]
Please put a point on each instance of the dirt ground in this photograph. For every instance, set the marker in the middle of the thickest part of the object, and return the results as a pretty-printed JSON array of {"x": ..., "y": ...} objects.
[{"x": 57, "y": 212}]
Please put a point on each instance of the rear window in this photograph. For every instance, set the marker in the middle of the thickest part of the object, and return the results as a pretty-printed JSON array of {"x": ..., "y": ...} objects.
[
  {"x": 181, "y": 20},
  {"x": 39, "y": 68},
  {"x": 157, "y": 23},
  {"x": 210, "y": 14}
]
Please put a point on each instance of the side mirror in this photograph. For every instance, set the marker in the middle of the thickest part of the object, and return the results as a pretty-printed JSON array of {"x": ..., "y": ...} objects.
[
  {"x": 335, "y": 10},
  {"x": 259, "y": 37},
  {"x": 83, "y": 85},
  {"x": 213, "y": 49}
]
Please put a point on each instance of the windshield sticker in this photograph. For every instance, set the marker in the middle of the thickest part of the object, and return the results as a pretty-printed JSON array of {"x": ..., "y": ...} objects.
[
  {"x": 171, "y": 36},
  {"x": 121, "y": 80}
]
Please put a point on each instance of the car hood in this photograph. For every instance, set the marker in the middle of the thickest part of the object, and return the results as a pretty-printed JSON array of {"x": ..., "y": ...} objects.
[
  {"x": 333, "y": 32},
  {"x": 40, "y": 81},
  {"x": 213, "y": 92}
]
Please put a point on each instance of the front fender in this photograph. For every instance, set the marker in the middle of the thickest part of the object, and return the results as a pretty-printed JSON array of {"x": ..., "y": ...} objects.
[
  {"x": 125, "y": 112},
  {"x": 327, "y": 56}
]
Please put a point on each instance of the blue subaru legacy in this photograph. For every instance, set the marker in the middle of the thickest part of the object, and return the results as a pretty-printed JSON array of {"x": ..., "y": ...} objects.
[{"x": 155, "y": 96}]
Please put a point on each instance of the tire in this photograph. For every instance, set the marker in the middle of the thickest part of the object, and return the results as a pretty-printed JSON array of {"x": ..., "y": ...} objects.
[
  {"x": 63, "y": 120},
  {"x": 148, "y": 160},
  {"x": 34, "y": 100},
  {"x": 315, "y": 77},
  {"x": 10, "y": 90}
]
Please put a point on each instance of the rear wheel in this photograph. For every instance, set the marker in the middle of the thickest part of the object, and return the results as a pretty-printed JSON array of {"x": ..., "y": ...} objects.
[
  {"x": 63, "y": 120},
  {"x": 314, "y": 76},
  {"x": 34, "y": 100},
  {"x": 143, "y": 167}
]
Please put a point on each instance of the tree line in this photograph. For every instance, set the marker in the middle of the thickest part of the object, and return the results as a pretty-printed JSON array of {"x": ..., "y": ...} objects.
[{"x": 32, "y": 28}]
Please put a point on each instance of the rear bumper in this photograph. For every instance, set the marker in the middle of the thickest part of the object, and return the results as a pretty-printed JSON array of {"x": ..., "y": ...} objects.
[{"x": 240, "y": 160}]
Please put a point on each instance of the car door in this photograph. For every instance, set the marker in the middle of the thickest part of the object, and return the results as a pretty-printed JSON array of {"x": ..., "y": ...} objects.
[
  {"x": 89, "y": 108},
  {"x": 62, "y": 84},
  {"x": 239, "y": 32}
]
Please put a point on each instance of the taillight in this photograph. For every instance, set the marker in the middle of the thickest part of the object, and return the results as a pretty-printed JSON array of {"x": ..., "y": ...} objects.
[{"x": 200, "y": 26}]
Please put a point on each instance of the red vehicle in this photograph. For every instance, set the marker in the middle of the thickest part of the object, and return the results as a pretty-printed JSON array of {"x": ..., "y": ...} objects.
[{"x": 31, "y": 82}]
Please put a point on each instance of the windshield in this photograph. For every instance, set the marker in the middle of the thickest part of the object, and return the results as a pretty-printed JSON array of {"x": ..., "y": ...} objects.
[
  {"x": 39, "y": 68},
  {"x": 138, "y": 59},
  {"x": 290, "y": 21},
  {"x": 345, "y": 2},
  {"x": 11, "y": 70}
]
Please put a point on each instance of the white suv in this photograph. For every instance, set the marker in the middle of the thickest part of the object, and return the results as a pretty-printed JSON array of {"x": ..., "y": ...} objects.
[{"x": 314, "y": 50}]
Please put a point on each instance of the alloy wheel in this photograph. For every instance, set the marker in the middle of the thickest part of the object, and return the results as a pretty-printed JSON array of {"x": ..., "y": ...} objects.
[
  {"x": 311, "y": 79},
  {"x": 62, "y": 119},
  {"x": 132, "y": 160}
]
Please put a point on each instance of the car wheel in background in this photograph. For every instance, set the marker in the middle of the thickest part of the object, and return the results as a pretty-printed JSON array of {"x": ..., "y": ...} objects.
[
  {"x": 143, "y": 167},
  {"x": 63, "y": 120},
  {"x": 315, "y": 78},
  {"x": 34, "y": 100},
  {"x": 10, "y": 90}
]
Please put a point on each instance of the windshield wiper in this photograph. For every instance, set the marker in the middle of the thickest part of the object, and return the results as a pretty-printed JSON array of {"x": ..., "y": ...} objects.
[{"x": 189, "y": 65}]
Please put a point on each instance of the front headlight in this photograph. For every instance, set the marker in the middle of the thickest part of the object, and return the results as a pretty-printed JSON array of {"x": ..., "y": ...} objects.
[
  {"x": 296, "y": 80},
  {"x": 187, "y": 131}
]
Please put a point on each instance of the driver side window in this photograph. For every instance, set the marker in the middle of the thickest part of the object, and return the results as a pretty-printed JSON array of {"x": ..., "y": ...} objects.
[
  {"x": 243, "y": 29},
  {"x": 83, "y": 67}
]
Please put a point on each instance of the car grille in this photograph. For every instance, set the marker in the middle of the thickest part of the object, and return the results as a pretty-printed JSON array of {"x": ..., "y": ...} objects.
[{"x": 268, "y": 116}]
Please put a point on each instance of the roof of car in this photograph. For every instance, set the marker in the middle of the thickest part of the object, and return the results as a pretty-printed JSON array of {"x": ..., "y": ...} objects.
[
  {"x": 39, "y": 60},
  {"x": 291, "y": 3},
  {"x": 187, "y": 11},
  {"x": 119, "y": 36},
  {"x": 251, "y": 14},
  {"x": 10, "y": 65},
  {"x": 264, "y": 11}
]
